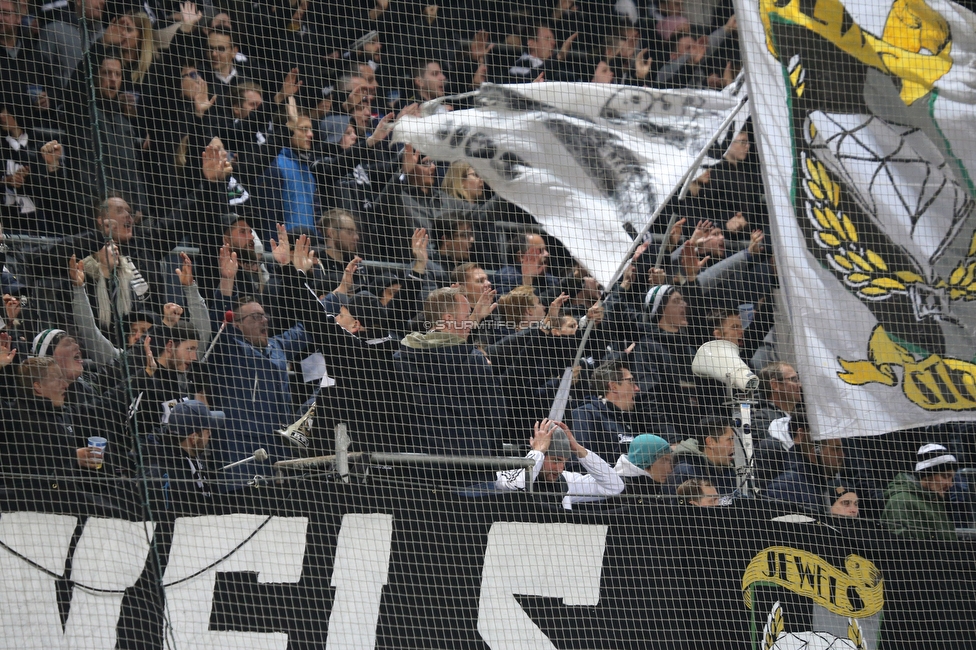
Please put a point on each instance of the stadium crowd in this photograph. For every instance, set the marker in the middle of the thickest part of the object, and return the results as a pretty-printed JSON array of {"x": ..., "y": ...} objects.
[{"x": 210, "y": 233}]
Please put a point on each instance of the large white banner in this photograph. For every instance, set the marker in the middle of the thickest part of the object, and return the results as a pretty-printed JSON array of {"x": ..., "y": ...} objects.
[
  {"x": 582, "y": 158},
  {"x": 864, "y": 113}
]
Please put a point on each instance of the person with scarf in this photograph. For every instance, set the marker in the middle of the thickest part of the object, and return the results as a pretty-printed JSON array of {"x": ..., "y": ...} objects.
[{"x": 115, "y": 287}]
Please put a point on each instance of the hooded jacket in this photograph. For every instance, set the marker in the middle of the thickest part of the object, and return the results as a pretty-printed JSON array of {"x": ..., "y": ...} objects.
[
  {"x": 636, "y": 479},
  {"x": 914, "y": 512},
  {"x": 454, "y": 402},
  {"x": 691, "y": 462}
]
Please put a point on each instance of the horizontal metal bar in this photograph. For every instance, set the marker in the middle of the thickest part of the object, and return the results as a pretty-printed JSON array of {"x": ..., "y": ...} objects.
[
  {"x": 479, "y": 462},
  {"x": 30, "y": 239},
  {"x": 470, "y": 462},
  {"x": 315, "y": 461}
]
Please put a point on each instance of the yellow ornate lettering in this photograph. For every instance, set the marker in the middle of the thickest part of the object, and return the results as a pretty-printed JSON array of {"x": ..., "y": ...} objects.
[{"x": 805, "y": 573}]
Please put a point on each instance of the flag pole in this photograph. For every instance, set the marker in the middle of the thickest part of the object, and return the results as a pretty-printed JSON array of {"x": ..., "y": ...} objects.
[{"x": 567, "y": 377}]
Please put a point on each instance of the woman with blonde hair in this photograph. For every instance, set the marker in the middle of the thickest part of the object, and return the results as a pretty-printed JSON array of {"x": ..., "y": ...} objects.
[
  {"x": 464, "y": 192},
  {"x": 141, "y": 57},
  {"x": 462, "y": 182},
  {"x": 132, "y": 35}
]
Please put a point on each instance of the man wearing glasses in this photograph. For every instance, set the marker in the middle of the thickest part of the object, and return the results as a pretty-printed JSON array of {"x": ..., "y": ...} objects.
[
  {"x": 250, "y": 376},
  {"x": 782, "y": 392},
  {"x": 608, "y": 424}
]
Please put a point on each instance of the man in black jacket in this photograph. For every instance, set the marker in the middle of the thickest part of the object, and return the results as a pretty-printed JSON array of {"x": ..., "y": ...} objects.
[
  {"x": 608, "y": 424},
  {"x": 41, "y": 442},
  {"x": 455, "y": 396},
  {"x": 182, "y": 485}
]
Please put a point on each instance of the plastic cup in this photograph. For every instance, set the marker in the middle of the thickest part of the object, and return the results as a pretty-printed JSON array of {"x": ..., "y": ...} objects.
[{"x": 97, "y": 445}]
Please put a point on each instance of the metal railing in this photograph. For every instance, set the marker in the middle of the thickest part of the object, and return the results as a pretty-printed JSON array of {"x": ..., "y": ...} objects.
[{"x": 427, "y": 460}]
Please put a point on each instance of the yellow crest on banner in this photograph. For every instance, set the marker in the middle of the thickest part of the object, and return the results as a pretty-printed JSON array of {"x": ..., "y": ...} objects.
[
  {"x": 911, "y": 26},
  {"x": 935, "y": 383}
]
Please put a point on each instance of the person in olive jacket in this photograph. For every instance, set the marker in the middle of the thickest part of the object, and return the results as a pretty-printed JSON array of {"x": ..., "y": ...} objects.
[{"x": 915, "y": 506}]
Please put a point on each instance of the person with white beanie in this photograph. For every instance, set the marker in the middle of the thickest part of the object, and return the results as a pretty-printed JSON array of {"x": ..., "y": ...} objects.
[{"x": 916, "y": 503}]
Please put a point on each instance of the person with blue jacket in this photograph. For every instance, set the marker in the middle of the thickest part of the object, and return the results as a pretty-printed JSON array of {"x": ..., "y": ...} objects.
[
  {"x": 809, "y": 482},
  {"x": 292, "y": 182},
  {"x": 250, "y": 385}
]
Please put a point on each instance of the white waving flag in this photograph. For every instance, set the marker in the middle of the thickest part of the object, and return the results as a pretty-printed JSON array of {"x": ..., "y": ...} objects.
[
  {"x": 582, "y": 158},
  {"x": 864, "y": 113}
]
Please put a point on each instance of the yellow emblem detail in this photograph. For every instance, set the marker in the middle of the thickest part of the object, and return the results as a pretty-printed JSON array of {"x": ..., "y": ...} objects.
[
  {"x": 911, "y": 27},
  {"x": 774, "y": 628},
  {"x": 934, "y": 383}
]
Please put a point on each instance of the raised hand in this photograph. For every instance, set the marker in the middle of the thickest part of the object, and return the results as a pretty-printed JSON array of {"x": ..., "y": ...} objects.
[
  {"x": 736, "y": 223},
  {"x": 690, "y": 264},
  {"x": 577, "y": 448},
  {"x": 355, "y": 98},
  {"x": 290, "y": 86},
  {"x": 628, "y": 277},
  {"x": 676, "y": 231},
  {"x": 304, "y": 257},
  {"x": 485, "y": 305},
  {"x": 756, "y": 242},
  {"x": 189, "y": 16},
  {"x": 11, "y": 307},
  {"x": 567, "y": 46},
  {"x": 382, "y": 130},
  {"x": 7, "y": 353},
  {"x": 291, "y": 111},
  {"x": 216, "y": 166},
  {"x": 596, "y": 313},
  {"x": 554, "y": 307},
  {"x": 410, "y": 159},
  {"x": 643, "y": 64},
  {"x": 480, "y": 76},
  {"x": 541, "y": 435},
  {"x": 51, "y": 153},
  {"x": 411, "y": 110},
  {"x": 700, "y": 49},
  {"x": 171, "y": 314},
  {"x": 151, "y": 365},
  {"x": 185, "y": 272},
  {"x": 640, "y": 250},
  {"x": 281, "y": 249},
  {"x": 418, "y": 246},
  {"x": 349, "y": 276},
  {"x": 227, "y": 261},
  {"x": 76, "y": 272},
  {"x": 656, "y": 276},
  {"x": 480, "y": 47},
  {"x": 202, "y": 104},
  {"x": 701, "y": 231},
  {"x": 299, "y": 13}
]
